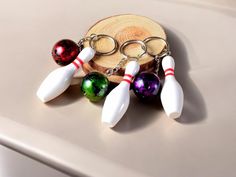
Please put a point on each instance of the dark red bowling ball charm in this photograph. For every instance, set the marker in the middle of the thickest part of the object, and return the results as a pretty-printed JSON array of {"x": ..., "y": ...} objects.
[{"x": 65, "y": 51}]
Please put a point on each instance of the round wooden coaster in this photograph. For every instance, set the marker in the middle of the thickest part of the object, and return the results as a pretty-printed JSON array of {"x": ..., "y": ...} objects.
[{"x": 124, "y": 28}]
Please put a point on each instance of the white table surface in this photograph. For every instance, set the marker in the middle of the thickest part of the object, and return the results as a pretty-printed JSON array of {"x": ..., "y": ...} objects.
[
  {"x": 145, "y": 143},
  {"x": 14, "y": 164}
]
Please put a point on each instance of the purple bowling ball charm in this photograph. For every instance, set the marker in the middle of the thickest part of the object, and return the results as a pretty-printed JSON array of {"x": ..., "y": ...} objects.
[{"x": 146, "y": 85}]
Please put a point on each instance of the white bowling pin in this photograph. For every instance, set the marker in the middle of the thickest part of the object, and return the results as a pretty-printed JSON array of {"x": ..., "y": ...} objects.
[
  {"x": 117, "y": 101},
  {"x": 172, "y": 93},
  {"x": 60, "y": 79}
]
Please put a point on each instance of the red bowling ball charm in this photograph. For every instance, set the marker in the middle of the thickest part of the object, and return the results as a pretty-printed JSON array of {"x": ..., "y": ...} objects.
[{"x": 65, "y": 51}]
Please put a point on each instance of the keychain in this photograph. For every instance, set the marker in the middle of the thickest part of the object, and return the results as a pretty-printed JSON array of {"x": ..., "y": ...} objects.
[
  {"x": 65, "y": 53},
  {"x": 117, "y": 101},
  {"x": 146, "y": 85},
  {"x": 172, "y": 96},
  {"x": 95, "y": 84}
]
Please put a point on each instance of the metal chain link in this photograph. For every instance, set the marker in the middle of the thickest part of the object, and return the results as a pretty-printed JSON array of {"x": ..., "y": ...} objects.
[
  {"x": 122, "y": 62},
  {"x": 158, "y": 61},
  {"x": 111, "y": 71},
  {"x": 127, "y": 57}
]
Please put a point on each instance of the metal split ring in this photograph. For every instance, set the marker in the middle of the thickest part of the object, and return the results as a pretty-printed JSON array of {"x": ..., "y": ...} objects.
[
  {"x": 95, "y": 38},
  {"x": 164, "y": 52},
  {"x": 125, "y": 44}
]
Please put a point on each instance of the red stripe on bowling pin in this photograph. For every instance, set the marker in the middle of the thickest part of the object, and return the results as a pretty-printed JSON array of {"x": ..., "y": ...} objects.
[
  {"x": 77, "y": 63},
  {"x": 127, "y": 78},
  {"x": 80, "y": 61},
  {"x": 129, "y": 75},
  {"x": 169, "y": 72}
]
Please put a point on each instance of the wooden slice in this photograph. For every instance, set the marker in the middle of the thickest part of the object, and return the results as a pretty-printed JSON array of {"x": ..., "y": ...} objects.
[{"x": 124, "y": 28}]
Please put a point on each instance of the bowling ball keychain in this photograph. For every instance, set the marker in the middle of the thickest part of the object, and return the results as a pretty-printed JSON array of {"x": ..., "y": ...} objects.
[
  {"x": 95, "y": 85},
  {"x": 172, "y": 96},
  {"x": 147, "y": 85},
  {"x": 71, "y": 56}
]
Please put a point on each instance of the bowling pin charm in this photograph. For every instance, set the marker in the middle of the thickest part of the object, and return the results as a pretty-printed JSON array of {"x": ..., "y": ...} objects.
[
  {"x": 172, "y": 96},
  {"x": 117, "y": 101},
  {"x": 65, "y": 53}
]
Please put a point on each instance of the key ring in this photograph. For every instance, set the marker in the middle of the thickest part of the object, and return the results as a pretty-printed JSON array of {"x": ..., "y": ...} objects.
[
  {"x": 164, "y": 52},
  {"x": 111, "y": 71},
  {"x": 125, "y": 44},
  {"x": 94, "y": 38}
]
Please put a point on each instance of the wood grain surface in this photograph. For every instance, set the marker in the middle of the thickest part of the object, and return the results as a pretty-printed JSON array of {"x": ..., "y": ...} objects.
[{"x": 124, "y": 28}]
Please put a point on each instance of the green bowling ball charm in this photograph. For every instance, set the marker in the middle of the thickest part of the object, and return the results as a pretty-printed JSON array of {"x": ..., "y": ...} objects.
[{"x": 95, "y": 86}]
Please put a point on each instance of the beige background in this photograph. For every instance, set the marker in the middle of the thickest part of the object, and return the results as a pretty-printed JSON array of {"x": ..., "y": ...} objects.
[
  {"x": 14, "y": 164},
  {"x": 67, "y": 133}
]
